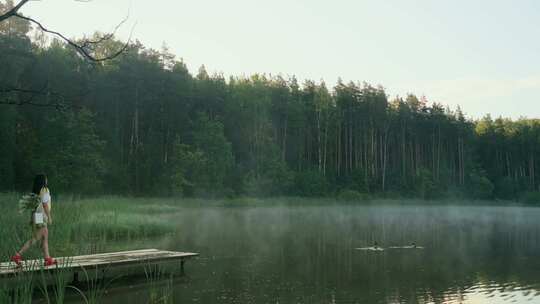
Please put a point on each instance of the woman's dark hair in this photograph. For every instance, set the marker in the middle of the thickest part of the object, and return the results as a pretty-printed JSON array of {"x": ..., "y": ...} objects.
[{"x": 40, "y": 181}]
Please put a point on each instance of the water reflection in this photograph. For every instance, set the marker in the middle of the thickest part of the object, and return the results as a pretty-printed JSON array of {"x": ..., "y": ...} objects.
[{"x": 308, "y": 255}]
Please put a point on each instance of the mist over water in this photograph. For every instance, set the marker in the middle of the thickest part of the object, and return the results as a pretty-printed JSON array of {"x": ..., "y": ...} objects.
[{"x": 308, "y": 254}]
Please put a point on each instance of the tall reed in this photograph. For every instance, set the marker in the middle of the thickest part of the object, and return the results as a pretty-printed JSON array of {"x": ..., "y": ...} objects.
[
  {"x": 160, "y": 284},
  {"x": 96, "y": 286},
  {"x": 24, "y": 284},
  {"x": 59, "y": 277}
]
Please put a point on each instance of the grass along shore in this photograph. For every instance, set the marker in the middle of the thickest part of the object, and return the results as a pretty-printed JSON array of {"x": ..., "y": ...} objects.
[
  {"x": 83, "y": 226},
  {"x": 79, "y": 225}
]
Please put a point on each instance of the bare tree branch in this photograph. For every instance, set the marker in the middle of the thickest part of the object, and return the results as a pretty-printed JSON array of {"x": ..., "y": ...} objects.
[
  {"x": 81, "y": 48},
  {"x": 13, "y": 11},
  {"x": 85, "y": 48},
  {"x": 105, "y": 37}
]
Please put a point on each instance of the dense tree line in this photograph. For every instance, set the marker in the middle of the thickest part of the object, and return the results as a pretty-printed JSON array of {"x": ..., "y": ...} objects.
[{"x": 142, "y": 124}]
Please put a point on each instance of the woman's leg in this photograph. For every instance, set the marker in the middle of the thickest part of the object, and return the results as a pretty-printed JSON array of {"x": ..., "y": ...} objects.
[
  {"x": 26, "y": 245},
  {"x": 30, "y": 242},
  {"x": 45, "y": 235}
]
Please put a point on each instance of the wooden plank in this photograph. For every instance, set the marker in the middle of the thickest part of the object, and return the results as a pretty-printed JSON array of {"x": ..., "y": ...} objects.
[{"x": 109, "y": 259}]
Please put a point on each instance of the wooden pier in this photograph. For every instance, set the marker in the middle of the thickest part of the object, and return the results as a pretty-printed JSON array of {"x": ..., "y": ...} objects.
[{"x": 100, "y": 261}]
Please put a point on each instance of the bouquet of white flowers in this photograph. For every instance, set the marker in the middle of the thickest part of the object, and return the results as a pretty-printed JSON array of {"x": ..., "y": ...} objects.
[{"x": 29, "y": 202}]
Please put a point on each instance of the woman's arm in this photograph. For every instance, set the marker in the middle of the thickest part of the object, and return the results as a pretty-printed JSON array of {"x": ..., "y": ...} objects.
[
  {"x": 46, "y": 201},
  {"x": 47, "y": 210}
]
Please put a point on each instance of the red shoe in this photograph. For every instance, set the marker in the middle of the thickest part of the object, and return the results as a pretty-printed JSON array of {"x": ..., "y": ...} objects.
[
  {"x": 17, "y": 259},
  {"x": 50, "y": 261}
]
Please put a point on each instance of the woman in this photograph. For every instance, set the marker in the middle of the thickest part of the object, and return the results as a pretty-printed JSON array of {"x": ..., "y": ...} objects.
[{"x": 40, "y": 231}]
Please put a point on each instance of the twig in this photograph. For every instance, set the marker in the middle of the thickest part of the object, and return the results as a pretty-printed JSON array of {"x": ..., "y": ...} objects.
[{"x": 82, "y": 49}]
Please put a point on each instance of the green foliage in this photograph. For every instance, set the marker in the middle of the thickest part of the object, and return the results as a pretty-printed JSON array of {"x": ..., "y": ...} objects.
[
  {"x": 7, "y": 147},
  {"x": 185, "y": 165},
  {"x": 426, "y": 188},
  {"x": 479, "y": 186},
  {"x": 532, "y": 197},
  {"x": 352, "y": 196},
  {"x": 217, "y": 158},
  {"x": 201, "y": 168},
  {"x": 360, "y": 181},
  {"x": 141, "y": 124},
  {"x": 70, "y": 152},
  {"x": 311, "y": 183},
  {"x": 505, "y": 188},
  {"x": 277, "y": 179}
]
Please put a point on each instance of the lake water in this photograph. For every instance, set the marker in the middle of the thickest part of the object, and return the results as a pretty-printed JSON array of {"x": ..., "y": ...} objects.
[{"x": 310, "y": 254}]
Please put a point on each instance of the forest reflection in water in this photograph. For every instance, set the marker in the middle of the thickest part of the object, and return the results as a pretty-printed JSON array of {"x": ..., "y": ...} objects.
[{"x": 308, "y": 254}]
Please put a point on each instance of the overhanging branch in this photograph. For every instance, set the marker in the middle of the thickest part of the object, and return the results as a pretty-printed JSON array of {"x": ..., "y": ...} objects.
[
  {"x": 105, "y": 37},
  {"x": 12, "y": 11},
  {"x": 86, "y": 48},
  {"x": 83, "y": 48}
]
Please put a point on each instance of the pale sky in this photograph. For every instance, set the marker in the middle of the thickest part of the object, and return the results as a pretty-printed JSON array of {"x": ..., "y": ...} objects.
[{"x": 481, "y": 55}]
